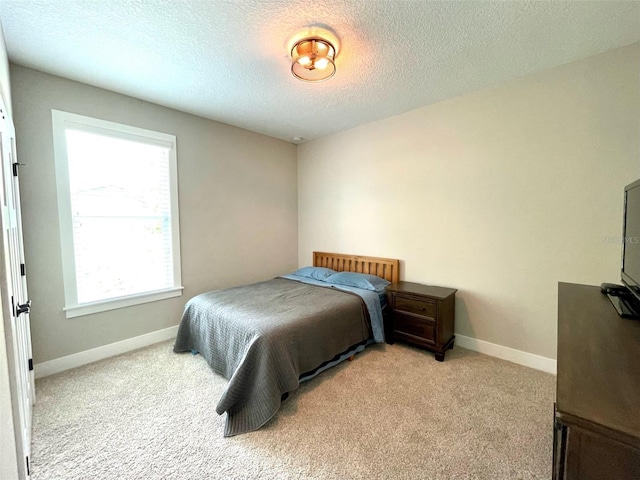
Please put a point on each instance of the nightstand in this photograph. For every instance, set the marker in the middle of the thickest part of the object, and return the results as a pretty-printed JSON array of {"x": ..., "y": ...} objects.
[{"x": 422, "y": 315}]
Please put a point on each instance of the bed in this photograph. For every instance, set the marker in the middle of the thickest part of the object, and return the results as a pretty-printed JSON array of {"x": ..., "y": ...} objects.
[{"x": 267, "y": 337}]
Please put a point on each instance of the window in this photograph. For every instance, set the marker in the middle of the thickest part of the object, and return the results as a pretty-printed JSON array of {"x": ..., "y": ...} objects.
[{"x": 118, "y": 210}]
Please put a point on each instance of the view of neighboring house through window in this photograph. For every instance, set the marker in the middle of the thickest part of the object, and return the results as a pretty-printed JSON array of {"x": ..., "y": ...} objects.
[{"x": 118, "y": 207}]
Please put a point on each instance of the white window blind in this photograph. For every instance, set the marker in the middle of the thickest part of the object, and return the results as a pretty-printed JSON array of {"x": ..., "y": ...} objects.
[{"x": 118, "y": 213}]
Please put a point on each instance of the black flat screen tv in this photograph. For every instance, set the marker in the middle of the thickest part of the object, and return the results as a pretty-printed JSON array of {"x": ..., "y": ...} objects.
[
  {"x": 628, "y": 304},
  {"x": 631, "y": 239}
]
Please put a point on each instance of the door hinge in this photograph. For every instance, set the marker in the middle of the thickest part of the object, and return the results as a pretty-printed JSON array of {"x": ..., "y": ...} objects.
[
  {"x": 15, "y": 168},
  {"x": 23, "y": 269},
  {"x": 30, "y": 364}
]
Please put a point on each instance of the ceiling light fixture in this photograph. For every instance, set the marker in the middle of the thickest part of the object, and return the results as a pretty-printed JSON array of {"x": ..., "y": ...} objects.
[{"x": 312, "y": 60}]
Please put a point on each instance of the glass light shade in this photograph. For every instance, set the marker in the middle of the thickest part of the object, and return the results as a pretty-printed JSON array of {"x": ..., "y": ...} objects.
[{"x": 312, "y": 60}]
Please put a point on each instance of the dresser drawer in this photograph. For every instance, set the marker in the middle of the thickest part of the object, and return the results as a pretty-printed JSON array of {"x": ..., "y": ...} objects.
[
  {"x": 414, "y": 305},
  {"x": 416, "y": 326}
]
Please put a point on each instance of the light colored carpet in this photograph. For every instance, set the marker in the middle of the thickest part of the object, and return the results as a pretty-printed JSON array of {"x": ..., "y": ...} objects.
[{"x": 392, "y": 413}]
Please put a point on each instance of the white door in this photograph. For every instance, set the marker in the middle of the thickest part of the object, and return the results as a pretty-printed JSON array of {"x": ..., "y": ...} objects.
[{"x": 14, "y": 283}]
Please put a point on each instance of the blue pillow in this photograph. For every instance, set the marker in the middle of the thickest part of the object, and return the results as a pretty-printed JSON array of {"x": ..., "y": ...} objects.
[
  {"x": 359, "y": 280},
  {"x": 317, "y": 273}
]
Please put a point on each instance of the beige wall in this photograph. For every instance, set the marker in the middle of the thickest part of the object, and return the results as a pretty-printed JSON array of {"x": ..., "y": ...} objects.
[
  {"x": 238, "y": 209},
  {"x": 501, "y": 193}
]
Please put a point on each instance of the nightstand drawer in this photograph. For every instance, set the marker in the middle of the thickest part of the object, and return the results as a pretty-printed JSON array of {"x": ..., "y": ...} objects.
[
  {"x": 416, "y": 326},
  {"x": 414, "y": 305}
]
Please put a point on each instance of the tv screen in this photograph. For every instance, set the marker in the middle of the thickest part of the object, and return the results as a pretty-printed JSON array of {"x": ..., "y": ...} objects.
[{"x": 631, "y": 239}]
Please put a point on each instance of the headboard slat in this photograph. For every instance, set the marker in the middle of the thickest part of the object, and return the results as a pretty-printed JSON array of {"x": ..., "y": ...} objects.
[{"x": 387, "y": 268}]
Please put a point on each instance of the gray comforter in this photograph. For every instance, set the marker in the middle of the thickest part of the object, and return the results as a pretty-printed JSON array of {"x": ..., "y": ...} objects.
[{"x": 262, "y": 337}]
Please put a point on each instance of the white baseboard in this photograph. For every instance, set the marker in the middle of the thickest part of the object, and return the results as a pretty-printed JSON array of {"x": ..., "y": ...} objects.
[
  {"x": 510, "y": 354},
  {"x": 100, "y": 353}
]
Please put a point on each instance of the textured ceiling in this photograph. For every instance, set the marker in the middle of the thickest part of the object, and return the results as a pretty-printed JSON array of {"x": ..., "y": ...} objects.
[{"x": 228, "y": 60}]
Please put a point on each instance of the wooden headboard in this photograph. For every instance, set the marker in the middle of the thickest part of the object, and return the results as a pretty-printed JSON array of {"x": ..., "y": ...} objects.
[{"x": 387, "y": 268}]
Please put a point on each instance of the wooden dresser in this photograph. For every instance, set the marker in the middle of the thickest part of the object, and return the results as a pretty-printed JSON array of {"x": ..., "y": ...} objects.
[
  {"x": 597, "y": 413},
  {"x": 422, "y": 315}
]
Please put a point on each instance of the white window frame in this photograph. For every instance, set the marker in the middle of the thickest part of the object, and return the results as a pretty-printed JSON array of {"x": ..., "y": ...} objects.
[{"x": 60, "y": 122}]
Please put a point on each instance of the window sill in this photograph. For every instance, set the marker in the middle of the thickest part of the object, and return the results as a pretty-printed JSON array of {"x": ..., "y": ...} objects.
[{"x": 121, "y": 302}]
